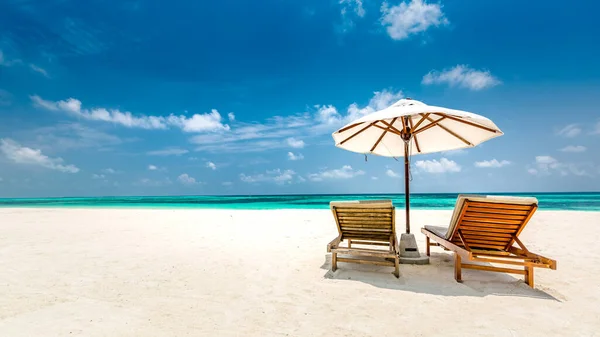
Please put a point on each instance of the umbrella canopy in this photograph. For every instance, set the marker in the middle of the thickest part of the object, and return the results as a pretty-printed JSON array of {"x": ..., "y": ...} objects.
[
  {"x": 429, "y": 129},
  {"x": 412, "y": 127}
]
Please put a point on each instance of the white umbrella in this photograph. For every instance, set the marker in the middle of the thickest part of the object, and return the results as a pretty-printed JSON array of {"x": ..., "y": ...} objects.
[{"x": 411, "y": 127}]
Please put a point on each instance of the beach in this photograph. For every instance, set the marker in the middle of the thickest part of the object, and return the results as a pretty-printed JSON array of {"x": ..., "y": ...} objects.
[{"x": 167, "y": 272}]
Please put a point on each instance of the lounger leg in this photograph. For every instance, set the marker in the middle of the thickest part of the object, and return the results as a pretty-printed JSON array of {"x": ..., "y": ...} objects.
[
  {"x": 427, "y": 245},
  {"x": 349, "y": 243},
  {"x": 529, "y": 275},
  {"x": 397, "y": 271},
  {"x": 457, "y": 268},
  {"x": 333, "y": 261}
]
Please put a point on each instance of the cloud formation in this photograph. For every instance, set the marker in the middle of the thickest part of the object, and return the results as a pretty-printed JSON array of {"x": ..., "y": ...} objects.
[
  {"x": 25, "y": 155},
  {"x": 462, "y": 76},
  {"x": 494, "y": 163},
  {"x": 277, "y": 176},
  {"x": 346, "y": 172},
  {"x": 434, "y": 166},
  {"x": 211, "y": 121},
  {"x": 411, "y": 18},
  {"x": 292, "y": 156}
]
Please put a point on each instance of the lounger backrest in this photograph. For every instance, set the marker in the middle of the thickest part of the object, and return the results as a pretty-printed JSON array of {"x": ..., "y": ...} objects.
[
  {"x": 489, "y": 222},
  {"x": 367, "y": 220}
]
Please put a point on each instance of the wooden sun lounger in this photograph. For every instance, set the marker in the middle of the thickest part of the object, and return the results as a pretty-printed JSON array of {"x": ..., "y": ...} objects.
[
  {"x": 485, "y": 229},
  {"x": 365, "y": 222}
]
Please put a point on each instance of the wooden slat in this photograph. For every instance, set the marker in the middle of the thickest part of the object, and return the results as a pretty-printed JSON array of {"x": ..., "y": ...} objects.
[
  {"x": 476, "y": 225},
  {"x": 485, "y": 242},
  {"x": 363, "y": 251},
  {"x": 469, "y": 217},
  {"x": 364, "y": 215},
  {"x": 387, "y": 226},
  {"x": 359, "y": 261},
  {"x": 496, "y": 269},
  {"x": 517, "y": 263},
  {"x": 500, "y": 235},
  {"x": 366, "y": 220},
  {"x": 485, "y": 237},
  {"x": 497, "y": 211},
  {"x": 362, "y": 230},
  {"x": 495, "y": 215},
  {"x": 364, "y": 210},
  {"x": 487, "y": 229},
  {"x": 474, "y": 245},
  {"x": 500, "y": 205},
  {"x": 368, "y": 243}
]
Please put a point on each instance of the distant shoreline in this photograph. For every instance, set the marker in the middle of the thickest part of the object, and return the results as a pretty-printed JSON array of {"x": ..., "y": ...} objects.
[{"x": 576, "y": 201}]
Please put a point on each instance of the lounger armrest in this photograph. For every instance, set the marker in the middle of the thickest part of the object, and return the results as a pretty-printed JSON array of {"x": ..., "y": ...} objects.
[{"x": 334, "y": 243}]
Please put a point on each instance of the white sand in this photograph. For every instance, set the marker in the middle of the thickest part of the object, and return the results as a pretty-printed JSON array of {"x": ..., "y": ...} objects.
[{"x": 100, "y": 272}]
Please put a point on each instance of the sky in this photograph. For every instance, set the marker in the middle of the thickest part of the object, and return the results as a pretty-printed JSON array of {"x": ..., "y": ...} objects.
[{"x": 101, "y": 98}]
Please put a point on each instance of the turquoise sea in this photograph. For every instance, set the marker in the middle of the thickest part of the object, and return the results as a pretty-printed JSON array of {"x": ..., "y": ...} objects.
[{"x": 444, "y": 201}]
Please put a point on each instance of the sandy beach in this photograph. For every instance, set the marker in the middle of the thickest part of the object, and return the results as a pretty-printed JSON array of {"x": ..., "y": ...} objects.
[{"x": 138, "y": 272}]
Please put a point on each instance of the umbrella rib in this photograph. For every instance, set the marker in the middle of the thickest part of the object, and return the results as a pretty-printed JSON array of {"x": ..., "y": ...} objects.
[
  {"x": 392, "y": 130},
  {"x": 423, "y": 117},
  {"x": 382, "y": 134},
  {"x": 451, "y": 132},
  {"x": 416, "y": 140},
  {"x": 357, "y": 133},
  {"x": 348, "y": 127},
  {"x": 467, "y": 122},
  {"x": 403, "y": 125},
  {"x": 430, "y": 125}
]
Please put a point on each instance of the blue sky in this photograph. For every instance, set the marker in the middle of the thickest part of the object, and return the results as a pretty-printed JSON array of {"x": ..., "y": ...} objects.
[{"x": 230, "y": 97}]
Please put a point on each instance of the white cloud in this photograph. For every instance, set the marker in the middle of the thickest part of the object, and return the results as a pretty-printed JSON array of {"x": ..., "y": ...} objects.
[
  {"x": 374, "y": 178},
  {"x": 350, "y": 9},
  {"x": 196, "y": 123},
  {"x": 109, "y": 171},
  {"x": 98, "y": 176},
  {"x": 494, "y": 163},
  {"x": 570, "y": 131},
  {"x": 185, "y": 179},
  {"x": 417, "y": 16},
  {"x": 435, "y": 166},
  {"x": 231, "y": 116},
  {"x": 462, "y": 76},
  {"x": 295, "y": 143},
  {"x": 25, "y": 155},
  {"x": 227, "y": 183},
  {"x": 356, "y": 6},
  {"x": 392, "y": 174},
  {"x": 39, "y": 70},
  {"x": 547, "y": 165},
  {"x": 173, "y": 151},
  {"x": 574, "y": 148},
  {"x": 292, "y": 156},
  {"x": 211, "y": 165},
  {"x": 152, "y": 168},
  {"x": 277, "y": 176},
  {"x": 328, "y": 115},
  {"x": 274, "y": 132},
  {"x": 346, "y": 172}
]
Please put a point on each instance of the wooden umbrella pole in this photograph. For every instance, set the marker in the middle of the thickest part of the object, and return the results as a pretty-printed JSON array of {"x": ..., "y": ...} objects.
[{"x": 406, "y": 187}]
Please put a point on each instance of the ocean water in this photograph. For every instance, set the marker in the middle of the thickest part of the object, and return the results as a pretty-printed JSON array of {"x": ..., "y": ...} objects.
[{"x": 445, "y": 201}]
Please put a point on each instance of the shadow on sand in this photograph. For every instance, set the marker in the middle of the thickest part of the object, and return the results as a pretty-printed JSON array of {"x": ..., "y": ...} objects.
[{"x": 437, "y": 278}]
